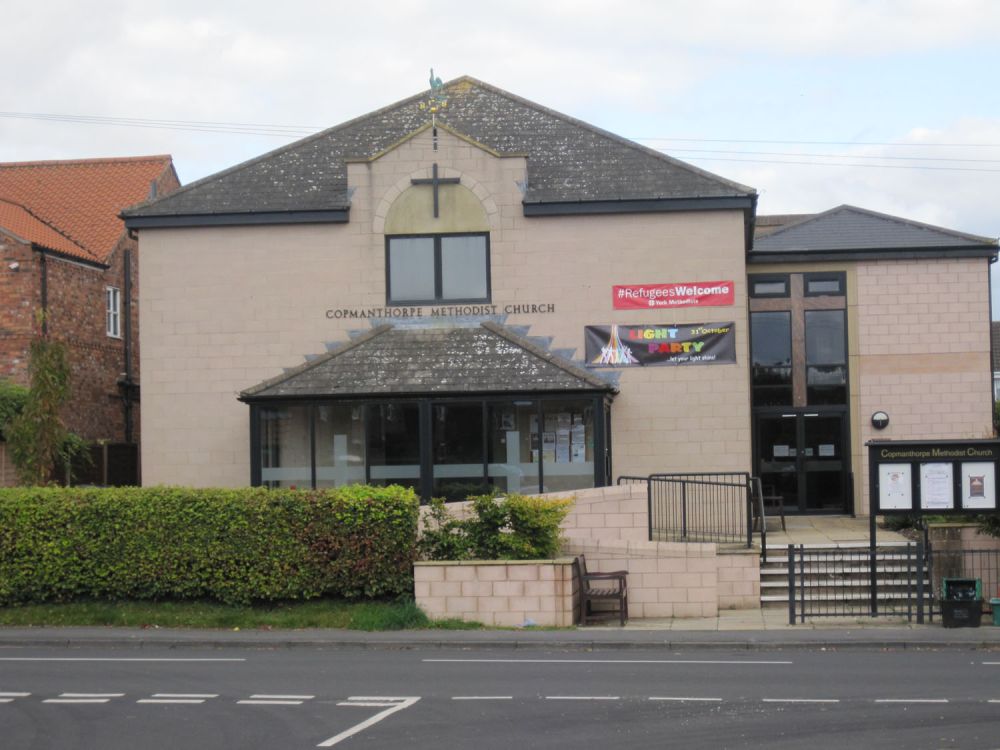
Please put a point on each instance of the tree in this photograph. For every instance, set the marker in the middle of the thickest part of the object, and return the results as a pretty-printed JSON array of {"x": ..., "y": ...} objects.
[{"x": 38, "y": 438}]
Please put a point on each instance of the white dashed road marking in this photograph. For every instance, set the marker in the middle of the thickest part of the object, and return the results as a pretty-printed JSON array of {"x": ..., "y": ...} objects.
[
  {"x": 683, "y": 698},
  {"x": 582, "y": 698},
  {"x": 276, "y": 700},
  {"x": 605, "y": 661},
  {"x": 482, "y": 697},
  {"x": 84, "y": 698},
  {"x": 88, "y": 658},
  {"x": 179, "y": 698}
]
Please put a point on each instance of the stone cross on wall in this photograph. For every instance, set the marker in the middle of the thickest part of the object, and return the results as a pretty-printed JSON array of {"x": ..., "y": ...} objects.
[{"x": 435, "y": 181}]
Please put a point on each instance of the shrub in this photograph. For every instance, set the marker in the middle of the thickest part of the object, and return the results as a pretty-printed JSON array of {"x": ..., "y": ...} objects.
[
  {"x": 514, "y": 527},
  {"x": 12, "y": 400},
  {"x": 989, "y": 525},
  {"x": 235, "y": 546}
]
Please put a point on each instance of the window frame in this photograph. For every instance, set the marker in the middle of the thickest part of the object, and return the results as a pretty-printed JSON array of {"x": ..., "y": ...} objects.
[
  {"x": 438, "y": 299},
  {"x": 113, "y": 312},
  {"x": 839, "y": 276},
  {"x": 771, "y": 278}
]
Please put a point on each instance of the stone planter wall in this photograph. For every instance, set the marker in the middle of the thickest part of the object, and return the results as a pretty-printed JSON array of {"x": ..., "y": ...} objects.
[
  {"x": 609, "y": 526},
  {"x": 498, "y": 592}
]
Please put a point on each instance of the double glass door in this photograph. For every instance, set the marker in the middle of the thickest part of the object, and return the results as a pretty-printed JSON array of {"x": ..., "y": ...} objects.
[{"x": 802, "y": 458}]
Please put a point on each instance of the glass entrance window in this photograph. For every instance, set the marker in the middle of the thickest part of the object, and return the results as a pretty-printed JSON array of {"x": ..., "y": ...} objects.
[
  {"x": 450, "y": 449},
  {"x": 458, "y": 450},
  {"x": 285, "y": 447},
  {"x": 826, "y": 357},
  {"x": 567, "y": 445},
  {"x": 392, "y": 440},
  {"x": 515, "y": 449},
  {"x": 771, "y": 354},
  {"x": 340, "y": 445}
]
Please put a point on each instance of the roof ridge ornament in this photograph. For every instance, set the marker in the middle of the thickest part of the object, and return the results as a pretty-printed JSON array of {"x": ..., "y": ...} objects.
[{"x": 437, "y": 101}]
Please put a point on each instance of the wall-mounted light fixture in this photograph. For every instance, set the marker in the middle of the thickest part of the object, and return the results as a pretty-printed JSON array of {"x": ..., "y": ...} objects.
[
  {"x": 880, "y": 420},
  {"x": 14, "y": 266}
]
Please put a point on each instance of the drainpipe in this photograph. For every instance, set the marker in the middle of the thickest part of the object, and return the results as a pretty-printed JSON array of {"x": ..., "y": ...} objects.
[{"x": 127, "y": 315}]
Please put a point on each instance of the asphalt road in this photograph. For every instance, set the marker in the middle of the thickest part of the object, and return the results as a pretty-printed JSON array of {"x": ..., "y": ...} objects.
[{"x": 106, "y": 698}]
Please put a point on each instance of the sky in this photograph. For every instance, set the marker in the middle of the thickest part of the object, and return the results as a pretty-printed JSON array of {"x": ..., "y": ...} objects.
[{"x": 892, "y": 105}]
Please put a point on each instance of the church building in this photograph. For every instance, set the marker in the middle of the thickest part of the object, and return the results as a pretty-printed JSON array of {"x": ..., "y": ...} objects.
[{"x": 467, "y": 290}]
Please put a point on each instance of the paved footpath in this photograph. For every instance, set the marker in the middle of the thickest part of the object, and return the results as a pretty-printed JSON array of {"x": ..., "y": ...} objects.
[{"x": 741, "y": 630}]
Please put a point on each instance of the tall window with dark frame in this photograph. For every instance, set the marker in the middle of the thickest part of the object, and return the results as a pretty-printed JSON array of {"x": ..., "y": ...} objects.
[
  {"x": 771, "y": 345},
  {"x": 798, "y": 339},
  {"x": 826, "y": 357},
  {"x": 426, "y": 269}
]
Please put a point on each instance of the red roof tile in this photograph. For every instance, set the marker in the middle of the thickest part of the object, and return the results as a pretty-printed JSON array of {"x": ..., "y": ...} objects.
[
  {"x": 25, "y": 226},
  {"x": 82, "y": 198}
]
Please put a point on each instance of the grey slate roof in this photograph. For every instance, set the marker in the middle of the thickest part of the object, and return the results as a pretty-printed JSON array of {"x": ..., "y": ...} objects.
[
  {"x": 389, "y": 360},
  {"x": 848, "y": 228},
  {"x": 568, "y": 160}
]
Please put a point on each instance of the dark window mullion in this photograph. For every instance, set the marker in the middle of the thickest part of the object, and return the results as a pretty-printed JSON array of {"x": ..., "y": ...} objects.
[{"x": 438, "y": 273}]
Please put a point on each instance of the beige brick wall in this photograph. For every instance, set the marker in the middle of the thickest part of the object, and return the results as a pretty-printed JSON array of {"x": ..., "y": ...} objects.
[
  {"x": 739, "y": 579},
  {"x": 923, "y": 344},
  {"x": 225, "y": 308},
  {"x": 505, "y": 593},
  {"x": 665, "y": 579},
  {"x": 616, "y": 512}
]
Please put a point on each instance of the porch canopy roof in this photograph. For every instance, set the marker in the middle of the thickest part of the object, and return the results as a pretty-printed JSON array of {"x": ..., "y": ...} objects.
[{"x": 399, "y": 360}]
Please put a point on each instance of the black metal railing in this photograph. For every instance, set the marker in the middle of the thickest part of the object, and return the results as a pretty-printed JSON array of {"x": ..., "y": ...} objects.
[
  {"x": 981, "y": 564},
  {"x": 856, "y": 582},
  {"x": 898, "y": 581},
  {"x": 699, "y": 507}
]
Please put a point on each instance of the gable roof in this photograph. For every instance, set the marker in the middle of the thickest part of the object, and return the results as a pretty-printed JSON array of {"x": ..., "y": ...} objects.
[
  {"x": 24, "y": 226},
  {"x": 82, "y": 198},
  {"x": 390, "y": 360},
  {"x": 849, "y": 231},
  {"x": 569, "y": 162}
]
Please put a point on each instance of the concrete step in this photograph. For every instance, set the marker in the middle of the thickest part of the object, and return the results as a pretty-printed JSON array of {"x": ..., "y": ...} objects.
[
  {"x": 844, "y": 583},
  {"x": 827, "y": 572}
]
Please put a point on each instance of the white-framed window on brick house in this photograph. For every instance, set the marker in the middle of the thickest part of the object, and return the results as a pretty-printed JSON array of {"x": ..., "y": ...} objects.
[
  {"x": 113, "y": 311},
  {"x": 424, "y": 269}
]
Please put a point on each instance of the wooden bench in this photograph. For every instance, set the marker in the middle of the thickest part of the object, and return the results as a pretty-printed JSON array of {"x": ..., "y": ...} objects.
[{"x": 602, "y": 587}]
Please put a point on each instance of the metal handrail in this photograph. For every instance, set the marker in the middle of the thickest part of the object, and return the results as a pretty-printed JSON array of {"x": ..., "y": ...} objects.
[{"x": 692, "y": 512}]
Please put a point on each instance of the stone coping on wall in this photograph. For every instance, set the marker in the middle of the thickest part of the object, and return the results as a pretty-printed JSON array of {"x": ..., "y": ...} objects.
[{"x": 551, "y": 561}]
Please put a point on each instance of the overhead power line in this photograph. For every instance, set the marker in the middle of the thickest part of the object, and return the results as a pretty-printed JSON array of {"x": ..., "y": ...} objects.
[{"x": 800, "y": 158}]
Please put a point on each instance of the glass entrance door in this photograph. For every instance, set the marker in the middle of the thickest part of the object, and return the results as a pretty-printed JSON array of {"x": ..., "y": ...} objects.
[
  {"x": 801, "y": 458},
  {"x": 777, "y": 463},
  {"x": 822, "y": 464}
]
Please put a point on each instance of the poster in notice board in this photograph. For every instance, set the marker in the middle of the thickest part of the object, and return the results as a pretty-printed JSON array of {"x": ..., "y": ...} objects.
[
  {"x": 895, "y": 487},
  {"x": 937, "y": 489},
  {"x": 979, "y": 485}
]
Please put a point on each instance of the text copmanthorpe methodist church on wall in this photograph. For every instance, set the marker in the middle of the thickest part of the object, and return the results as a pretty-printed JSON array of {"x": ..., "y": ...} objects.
[{"x": 466, "y": 289}]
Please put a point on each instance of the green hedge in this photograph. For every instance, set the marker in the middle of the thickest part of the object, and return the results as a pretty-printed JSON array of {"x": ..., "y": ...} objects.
[{"x": 235, "y": 546}]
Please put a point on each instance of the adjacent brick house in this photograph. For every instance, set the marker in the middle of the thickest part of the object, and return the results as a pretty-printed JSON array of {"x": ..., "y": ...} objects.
[{"x": 64, "y": 250}]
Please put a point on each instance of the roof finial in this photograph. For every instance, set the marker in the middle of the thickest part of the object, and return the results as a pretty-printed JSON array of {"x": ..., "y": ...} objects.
[{"x": 435, "y": 103}]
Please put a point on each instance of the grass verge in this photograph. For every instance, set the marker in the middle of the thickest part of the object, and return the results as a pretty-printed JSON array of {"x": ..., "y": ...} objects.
[{"x": 368, "y": 615}]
